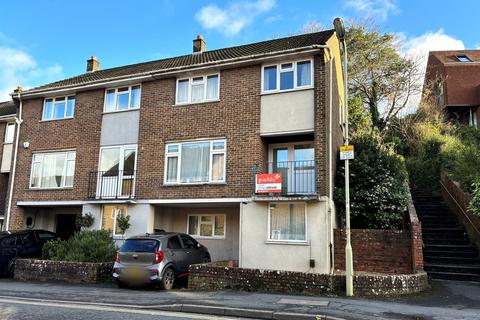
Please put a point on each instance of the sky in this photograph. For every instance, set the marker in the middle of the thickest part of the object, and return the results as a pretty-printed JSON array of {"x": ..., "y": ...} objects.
[{"x": 45, "y": 41}]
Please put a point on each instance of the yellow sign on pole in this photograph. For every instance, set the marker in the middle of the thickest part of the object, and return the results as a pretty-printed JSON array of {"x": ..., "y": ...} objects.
[{"x": 346, "y": 153}]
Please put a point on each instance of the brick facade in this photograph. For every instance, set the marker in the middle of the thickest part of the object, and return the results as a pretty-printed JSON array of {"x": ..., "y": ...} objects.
[{"x": 236, "y": 117}]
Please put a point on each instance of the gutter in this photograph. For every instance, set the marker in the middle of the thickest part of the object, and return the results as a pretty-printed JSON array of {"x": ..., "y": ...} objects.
[
  {"x": 18, "y": 121},
  {"x": 154, "y": 74}
]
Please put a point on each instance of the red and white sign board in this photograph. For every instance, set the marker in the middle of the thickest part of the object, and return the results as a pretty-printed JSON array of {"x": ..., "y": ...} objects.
[{"x": 268, "y": 183}]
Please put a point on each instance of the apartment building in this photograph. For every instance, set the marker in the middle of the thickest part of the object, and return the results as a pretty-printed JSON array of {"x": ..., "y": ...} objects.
[
  {"x": 236, "y": 147},
  {"x": 452, "y": 80},
  {"x": 8, "y": 117}
]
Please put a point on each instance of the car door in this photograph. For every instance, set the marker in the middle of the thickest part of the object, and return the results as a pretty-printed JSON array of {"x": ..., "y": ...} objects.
[
  {"x": 30, "y": 247},
  {"x": 9, "y": 247},
  {"x": 192, "y": 249},
  {"x": 178, "y": 254}
]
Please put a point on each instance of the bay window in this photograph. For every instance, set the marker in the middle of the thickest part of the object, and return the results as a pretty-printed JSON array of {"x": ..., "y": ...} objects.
[
  {"x": 287, "y": 222},
  {"x": 206, "y": 225},
  {"x": 58, "y": 108},
  {"x": 52, "y": 170},
  {"x": 198, "y": 89},
  {"x": 123, "y": 98},
  {"x": 287, "y": 76},
  {"x": 195, "y": 162}
]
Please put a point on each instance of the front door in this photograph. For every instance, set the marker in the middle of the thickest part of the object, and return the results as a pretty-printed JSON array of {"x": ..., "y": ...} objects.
[
  {"x": 65, "y": 225},
  {"x": 296, "y": 163}
]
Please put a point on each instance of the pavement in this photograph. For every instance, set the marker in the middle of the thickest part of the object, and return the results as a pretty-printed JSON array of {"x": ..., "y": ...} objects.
[{"x": 446, "y": 300}]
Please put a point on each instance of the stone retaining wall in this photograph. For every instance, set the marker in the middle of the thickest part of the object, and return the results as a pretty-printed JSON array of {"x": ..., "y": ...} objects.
[
  {"x": 212, "y": 277},
  {"x": 71, "y": 272}
]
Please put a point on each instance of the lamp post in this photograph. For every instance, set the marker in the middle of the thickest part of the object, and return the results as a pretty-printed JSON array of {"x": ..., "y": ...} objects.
[{"x": 340, "y": 31}]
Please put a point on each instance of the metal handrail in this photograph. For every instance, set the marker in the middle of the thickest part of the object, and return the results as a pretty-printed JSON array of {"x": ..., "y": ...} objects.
[{"x": 111, "y": 184}]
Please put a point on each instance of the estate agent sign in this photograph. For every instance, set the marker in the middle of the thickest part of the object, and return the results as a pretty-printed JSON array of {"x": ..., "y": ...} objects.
[{"x": 268, "y": 183}]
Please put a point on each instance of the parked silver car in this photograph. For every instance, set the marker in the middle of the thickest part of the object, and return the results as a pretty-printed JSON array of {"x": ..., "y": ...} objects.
[{"x": 158, "y": 258}]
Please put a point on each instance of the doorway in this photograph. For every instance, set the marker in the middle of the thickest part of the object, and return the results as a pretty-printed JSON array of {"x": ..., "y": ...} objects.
[{"x": 66, "y": 226}]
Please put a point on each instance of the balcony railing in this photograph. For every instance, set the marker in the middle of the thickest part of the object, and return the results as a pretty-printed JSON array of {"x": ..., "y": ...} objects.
[
  {"x": 111, "y": 185},
  {"x": 287, "y": 178}
]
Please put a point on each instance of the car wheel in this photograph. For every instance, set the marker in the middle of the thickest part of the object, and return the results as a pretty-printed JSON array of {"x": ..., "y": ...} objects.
[
  {"x": 10, "y": 269},
  {"x": 168, "y": 279}
]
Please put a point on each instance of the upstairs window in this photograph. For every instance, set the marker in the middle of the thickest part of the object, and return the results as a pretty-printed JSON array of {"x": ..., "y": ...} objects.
[
  {"x": 198, "y": 89},
  {"x": 58, "y": 108},
  {"x": 52, "y": 170},
  {"x": 463, "y": 58},
  {"x": 287, "y": 76},
  {"x": 195, "y": 162},
  {"x": 121, "y": 99},
  {"x": 9, "y": 133}
]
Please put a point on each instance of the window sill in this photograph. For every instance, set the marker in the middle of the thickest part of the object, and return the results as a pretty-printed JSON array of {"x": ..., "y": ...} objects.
[
  {"x": 294, "y": 243},
  {"x": 195, "y": 103},
  {"x": 207, "y": 238},
  {"x": 50, "y": 120},
  {"x": 265, "y": 93},
  {"x": 176, "y": 184},
  {"x": 120, "y": 111},
  {"x": 50, "y": 189}
]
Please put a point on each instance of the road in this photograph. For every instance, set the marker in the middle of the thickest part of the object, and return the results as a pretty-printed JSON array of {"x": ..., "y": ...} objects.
[{"x": 28, "y": 309}]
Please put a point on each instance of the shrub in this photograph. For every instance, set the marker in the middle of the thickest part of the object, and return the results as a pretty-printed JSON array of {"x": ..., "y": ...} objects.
[
  {"x": 123, "y": 222},
  {"x": 84, "y": 246},
  {"x": 475, "y": 202},
  {"x": 377, "y": 192}
]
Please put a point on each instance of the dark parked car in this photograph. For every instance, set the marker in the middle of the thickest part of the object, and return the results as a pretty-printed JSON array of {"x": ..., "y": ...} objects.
[
  {"x": 158, "y": 258},
  {"x": 21, "y": 244}
]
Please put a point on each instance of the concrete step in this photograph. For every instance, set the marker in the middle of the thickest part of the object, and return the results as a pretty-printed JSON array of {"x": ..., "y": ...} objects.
[
  {"x": 453, "y": 268},
  {"x": 451, "y": 260},
  {"x": 454, "y": 276},
  {"x": 455, "y": 242},
  {"x": 450, "y": 254},
  {"x": 450, "y": 248}
]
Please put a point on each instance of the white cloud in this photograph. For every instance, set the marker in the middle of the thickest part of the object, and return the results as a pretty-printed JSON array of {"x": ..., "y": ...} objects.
[
  {"x": 373, "y": 8},
  {"x": 417, "y": 48},
  {"x": 231, "y": 19},
  {"x": 17, "y": 67}
]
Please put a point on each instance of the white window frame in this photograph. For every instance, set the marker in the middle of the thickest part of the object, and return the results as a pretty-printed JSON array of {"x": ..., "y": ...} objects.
[
  {"x": 295, "y": 68},
  {"x": 189, "y": 89},
  {"x": 42, "y": 167},
  {"x": 269, "y": 213},
  {"x": 178, "y": 154},
  {"x": 122, "y": 154},
  {"x": 10, "y": 125},
  {"x": 213, "y": 236},
  {"x": 115, "y": 213},
  {"x": 129, "y": 98},
  {"x": 54, "y": 99}
]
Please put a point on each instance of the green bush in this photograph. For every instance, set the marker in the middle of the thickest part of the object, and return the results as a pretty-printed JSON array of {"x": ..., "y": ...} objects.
[
  {"x": 475, "y": 202},
  {"x": 377, "y": 192},
  {"x": 84, "y": 246}
]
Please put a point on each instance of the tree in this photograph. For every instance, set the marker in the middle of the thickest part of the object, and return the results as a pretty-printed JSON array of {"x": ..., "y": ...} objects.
[{"x": 383, "y": 78}]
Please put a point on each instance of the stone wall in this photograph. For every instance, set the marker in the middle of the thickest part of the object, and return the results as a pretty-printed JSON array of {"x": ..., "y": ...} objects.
[
  {"x": 71, "y": 272},
  {"x": 214, "y": 277}
]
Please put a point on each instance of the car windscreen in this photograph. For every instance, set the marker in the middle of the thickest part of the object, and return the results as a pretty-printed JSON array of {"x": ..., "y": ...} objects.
[{"x": 139, "y": 245}]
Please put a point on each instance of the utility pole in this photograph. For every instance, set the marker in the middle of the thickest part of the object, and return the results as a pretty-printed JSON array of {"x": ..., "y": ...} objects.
[{"x": 340, "y": 31}]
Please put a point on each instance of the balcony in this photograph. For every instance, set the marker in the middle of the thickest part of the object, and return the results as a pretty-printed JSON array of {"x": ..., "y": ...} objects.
[
  {"x": 290, "y": 179},
  {"x": 111, "y": 185}
]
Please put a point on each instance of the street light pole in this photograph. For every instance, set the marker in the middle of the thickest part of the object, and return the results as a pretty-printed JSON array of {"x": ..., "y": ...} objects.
[{"x": 340, "y": 31}]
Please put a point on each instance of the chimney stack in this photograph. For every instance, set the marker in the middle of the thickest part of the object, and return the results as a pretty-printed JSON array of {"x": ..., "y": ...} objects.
[
  {"x": 93, "y": 64},
  {"x": 199, "y": 45}
]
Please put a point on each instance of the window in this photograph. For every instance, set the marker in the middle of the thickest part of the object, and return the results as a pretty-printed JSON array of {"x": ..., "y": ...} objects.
[
  {"x": 287, "y": 76},
  {"x": 123, "y": 98},
  {"x": 198, "y": 89},
  {"x": 463, "y": 58},
  {"x": 116, "y": 176},
  {"x": 110, "y": 214},
  {"x": 188, "y": 242},
  {"x": 140, "y": 245},
  {"x": 58, "y": 108},
  {"x": 195, "y": 162},
  {"x": 53, "y": 170},
  {"x": 287, "y": 222},
  {"x": 210, "y": 226},
  {"x": 174, "y": 243},
  {"x": 9, "y": 132}
]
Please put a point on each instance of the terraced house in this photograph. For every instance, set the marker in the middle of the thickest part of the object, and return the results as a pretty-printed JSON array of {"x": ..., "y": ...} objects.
[{"x": 236, "y": 147}]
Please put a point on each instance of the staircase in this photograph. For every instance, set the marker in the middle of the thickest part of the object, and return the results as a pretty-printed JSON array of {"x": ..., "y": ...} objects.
[{"x": 448, "y": 253}]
